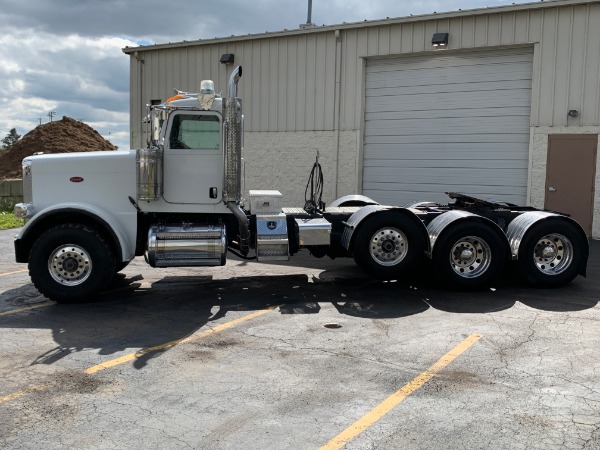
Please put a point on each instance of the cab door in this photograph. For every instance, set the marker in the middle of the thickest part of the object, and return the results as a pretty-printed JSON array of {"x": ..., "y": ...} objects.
[{"x": 193, "y": 158}]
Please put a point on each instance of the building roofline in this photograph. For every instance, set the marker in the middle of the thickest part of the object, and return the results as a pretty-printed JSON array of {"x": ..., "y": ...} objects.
[{"x": 542, "y": 4}]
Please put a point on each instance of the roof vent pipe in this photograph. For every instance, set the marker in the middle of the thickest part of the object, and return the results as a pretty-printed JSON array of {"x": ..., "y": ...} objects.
[{"x": 308, "y": 23}]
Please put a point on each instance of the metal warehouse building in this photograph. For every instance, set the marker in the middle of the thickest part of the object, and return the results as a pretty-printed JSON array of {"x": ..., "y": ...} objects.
[{"x": 508, "y": 109}]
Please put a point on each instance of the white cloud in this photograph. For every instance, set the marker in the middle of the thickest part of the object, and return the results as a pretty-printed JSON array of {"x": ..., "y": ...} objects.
[
  {"x": 18, "y": 105},
  {"x": 23, "y": 113},
  {"x": 82, "y": 77}
]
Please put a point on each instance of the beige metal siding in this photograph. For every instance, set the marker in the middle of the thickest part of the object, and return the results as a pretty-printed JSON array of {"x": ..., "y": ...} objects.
[
  {"x": 569, "y": 63},
  {"x": 289, "y": 78},
  {"x": 287, "y": 83}
]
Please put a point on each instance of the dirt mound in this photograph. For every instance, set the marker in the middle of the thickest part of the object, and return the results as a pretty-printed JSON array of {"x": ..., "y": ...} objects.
[{"x": 63, "y": 136}]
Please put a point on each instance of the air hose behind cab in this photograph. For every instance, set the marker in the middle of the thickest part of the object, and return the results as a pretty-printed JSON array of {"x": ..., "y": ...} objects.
[{"x": 314, "y": 203}]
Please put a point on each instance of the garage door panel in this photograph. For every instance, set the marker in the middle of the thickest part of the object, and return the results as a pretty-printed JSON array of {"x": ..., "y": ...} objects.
[
  {"x": 519, "y": 112},
  {"x": 391, "y": 198},
  {"x": 487, "y": 59},
  {"x": 431, "y": 190},
  {"x": 450, "y": 175},
  {"x": 450, "y": 100},
  {"x": 408, "y": 140},
  {"x": 430, "y": 152},
  {"x": 446, "y": 126},
  {"x": 454, "y": 74},
  {"x": 455, "y": 163},
  {"x": 440, "y": 77},
  {"x": 405, "y": 193},
  {"x": 446, "y": 88},
  {"x": 448, "y": 123}
]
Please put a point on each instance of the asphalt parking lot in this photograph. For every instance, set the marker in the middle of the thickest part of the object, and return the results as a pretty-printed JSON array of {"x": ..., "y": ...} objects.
[{"x": 300, "y": 355}]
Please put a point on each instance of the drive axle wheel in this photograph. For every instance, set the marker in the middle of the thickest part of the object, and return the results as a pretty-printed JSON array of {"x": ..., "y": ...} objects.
[
  {"x": 552, "y": 253},
  {"x": 71, "y": 263},
  {"x": 387, "y": 245},
  {"x": 469, "y": 256}
]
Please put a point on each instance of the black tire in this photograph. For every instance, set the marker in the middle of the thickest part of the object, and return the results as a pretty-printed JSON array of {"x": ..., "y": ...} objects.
[
  {"x": 566, "y": 251},
  {"x": 469, "y": 256},
  {"x": 120, "y": 265},
  {"x": 388, "y": 245},
  {"x": 70, "y": 263}
]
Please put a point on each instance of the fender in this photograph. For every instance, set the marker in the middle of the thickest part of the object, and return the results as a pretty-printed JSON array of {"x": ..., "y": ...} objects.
[
  {"x": 437, "y": 226},
  {"x": 520, "y": 225},
  {"x": 353, "y": 200},
  {"x": 124, "y": 242},
  {"x": 356, "y": 219}
]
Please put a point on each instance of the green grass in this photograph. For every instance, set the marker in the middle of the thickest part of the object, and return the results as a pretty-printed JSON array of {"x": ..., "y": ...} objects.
[{"x": 8, "y": 221}]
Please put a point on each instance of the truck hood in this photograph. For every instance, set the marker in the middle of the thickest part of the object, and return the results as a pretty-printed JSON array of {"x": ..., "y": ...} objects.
[
  {"x": 104, "y": 179},
  {"x": 100, "y": 161}
]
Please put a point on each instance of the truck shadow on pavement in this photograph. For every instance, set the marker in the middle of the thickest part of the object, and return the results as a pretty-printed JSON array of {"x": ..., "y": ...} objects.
[{"x": 130, "y": 316}]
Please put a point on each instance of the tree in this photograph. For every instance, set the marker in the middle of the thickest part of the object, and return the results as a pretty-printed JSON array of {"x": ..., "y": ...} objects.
[{"x": 11, "y": 139}]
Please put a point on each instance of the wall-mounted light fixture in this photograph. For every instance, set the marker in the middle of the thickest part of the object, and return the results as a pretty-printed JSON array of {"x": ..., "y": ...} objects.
[
  {"x": 227, "y": 58},
  {"x": 439, "y": 40},
  {"x": 573, "y": 113}
]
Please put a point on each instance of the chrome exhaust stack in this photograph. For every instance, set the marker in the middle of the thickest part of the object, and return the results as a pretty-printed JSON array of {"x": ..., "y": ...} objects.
[
  {"x": 233, "y": 81},
  {"x": 232, "y": 129},
  {"x": 232, "y": 176}
]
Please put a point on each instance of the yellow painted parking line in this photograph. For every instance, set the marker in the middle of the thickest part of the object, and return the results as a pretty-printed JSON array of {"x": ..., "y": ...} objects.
[
  {"x": 28, "y": 308},
  {"x": 388, "y": 404},
  {"x": 144, "y": 351},
  {"x": 198, "y": 335},
  {"x": 23, "y": 393},
  {"x": 12, "y": 273}
]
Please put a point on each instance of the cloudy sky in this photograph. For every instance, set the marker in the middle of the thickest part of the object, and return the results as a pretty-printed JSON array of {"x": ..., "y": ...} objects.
[{"x": 65, "y": 55}]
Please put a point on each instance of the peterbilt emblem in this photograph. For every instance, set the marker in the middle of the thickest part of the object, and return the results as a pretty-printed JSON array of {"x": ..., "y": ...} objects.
[
  {"x": 76, "y": 179},
  {"x": 271, "y": 224}
]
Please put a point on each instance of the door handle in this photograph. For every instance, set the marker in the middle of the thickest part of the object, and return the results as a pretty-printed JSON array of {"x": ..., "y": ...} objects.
[{"x": 551, "y": 189}]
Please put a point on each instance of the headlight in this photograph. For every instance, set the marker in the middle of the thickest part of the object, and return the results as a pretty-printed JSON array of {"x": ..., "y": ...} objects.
[{"x": 23, "y": 210}]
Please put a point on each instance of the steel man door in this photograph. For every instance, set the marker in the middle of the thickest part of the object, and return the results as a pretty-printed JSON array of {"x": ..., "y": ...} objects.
[{"x": 570, "y": 176}]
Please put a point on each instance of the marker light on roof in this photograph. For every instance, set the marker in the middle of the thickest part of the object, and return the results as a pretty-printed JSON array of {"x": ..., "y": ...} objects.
[{"x": 207, "y": 87}]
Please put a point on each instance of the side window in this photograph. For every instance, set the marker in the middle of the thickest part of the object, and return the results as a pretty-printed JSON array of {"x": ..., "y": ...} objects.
[{"x": 195, "y": 132}]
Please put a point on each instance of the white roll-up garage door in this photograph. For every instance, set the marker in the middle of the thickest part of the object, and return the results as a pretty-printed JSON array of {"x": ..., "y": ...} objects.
[{"x": 448, "y": 122}]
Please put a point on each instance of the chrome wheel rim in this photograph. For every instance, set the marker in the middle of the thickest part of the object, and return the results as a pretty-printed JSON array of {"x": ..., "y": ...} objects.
[
  {"x": 470, "y": 257},
  {"x": 553, "y": 254},
  {"x": 70, "y": 265},
  {"x": 388, "y": 246}
]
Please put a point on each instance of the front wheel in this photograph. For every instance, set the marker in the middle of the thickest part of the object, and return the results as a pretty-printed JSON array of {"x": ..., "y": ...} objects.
[
  {"x": 121, "y": 265},
  {"x": 388, "y": 245},
  {"x": 70, "y": 263},
  {"x": 469, "y": 256},
  {"x": 552, "y": 253}
]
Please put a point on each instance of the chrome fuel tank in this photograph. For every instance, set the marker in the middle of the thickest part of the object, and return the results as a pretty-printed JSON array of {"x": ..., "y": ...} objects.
[{"x": 187, "y": 245}]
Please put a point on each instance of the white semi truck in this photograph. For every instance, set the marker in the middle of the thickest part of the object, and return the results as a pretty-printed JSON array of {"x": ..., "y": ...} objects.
[{"x": 179, "y": 203}]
